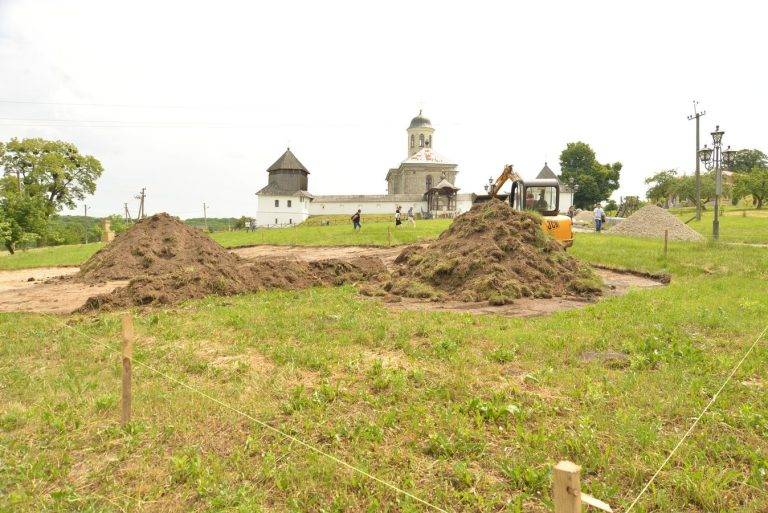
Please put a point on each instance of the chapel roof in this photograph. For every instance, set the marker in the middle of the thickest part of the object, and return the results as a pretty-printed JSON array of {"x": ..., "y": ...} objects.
[
  {"x": 287, "y": 162},
  {"x": 420, "y": 121}
]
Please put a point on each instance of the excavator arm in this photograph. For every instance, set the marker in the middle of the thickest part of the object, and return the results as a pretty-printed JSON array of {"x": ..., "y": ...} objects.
[{"x": 507, "y": 174}]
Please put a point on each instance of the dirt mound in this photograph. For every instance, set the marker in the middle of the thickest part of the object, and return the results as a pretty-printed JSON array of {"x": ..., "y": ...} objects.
[
  {"x": 491, "y": 253},
  {"x": 652, "y": 221},
  {"x": 194, "y": 283},
  {"x": 167, "y": 261},
  {"x": 158, "y": 245}
]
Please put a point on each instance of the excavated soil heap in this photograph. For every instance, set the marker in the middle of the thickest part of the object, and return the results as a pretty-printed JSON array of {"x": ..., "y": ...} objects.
[
  {"x": 167, "y": 261},
  {"x": 652, "y": 221},
  {"x": 491, "y": 253}
]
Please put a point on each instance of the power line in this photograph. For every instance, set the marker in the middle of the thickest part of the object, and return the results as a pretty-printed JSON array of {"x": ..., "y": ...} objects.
[{"x": 118, "y": 105}]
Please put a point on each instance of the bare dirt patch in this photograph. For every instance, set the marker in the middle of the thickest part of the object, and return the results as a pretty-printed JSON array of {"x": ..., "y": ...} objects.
[
  {"x": 168, "y": 262},
  {"x": 44, "y": 293},
  {"x": 492, "y": 260}
]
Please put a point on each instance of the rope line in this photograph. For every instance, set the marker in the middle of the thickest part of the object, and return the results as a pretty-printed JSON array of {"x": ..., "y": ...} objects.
[
  {"x": 257, "y": 421},
  {"x": 695, "y": 422}
]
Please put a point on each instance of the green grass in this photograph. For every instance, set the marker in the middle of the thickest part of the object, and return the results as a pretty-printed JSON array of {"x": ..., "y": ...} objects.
[
  {"x": 752, "y": 227},
  {"x": 467, "y": 412},
  {"x": 50, "y": 256},
  {"x": 375, "y": 234}
]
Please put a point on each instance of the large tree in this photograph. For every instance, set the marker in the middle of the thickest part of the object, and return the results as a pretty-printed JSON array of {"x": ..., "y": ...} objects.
[
  {"x": 754, "y": 183},
  {"x": 662, "y": 186},
  {"x": 685, "y": 188},
  {"x": 40, "y": 178},
  {"x": 592, "y": 181},
  {"x": 744, "y": 161}
]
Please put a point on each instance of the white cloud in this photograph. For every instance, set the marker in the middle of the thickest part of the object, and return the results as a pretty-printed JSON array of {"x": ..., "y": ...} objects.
[{"x": 339, "y": 82}]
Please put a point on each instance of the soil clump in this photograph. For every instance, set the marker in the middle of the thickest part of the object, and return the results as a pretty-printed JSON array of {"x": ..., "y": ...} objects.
[
  {"x": 167, "y": 262},
  {"x": 652, "y": 221},
  {"x": 491, "y": 253}
]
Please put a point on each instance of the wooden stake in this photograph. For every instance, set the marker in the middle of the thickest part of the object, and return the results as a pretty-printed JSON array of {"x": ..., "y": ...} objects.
[
  {"x": 125, "y": 411},
  {"x": 389, "y": 234},
  {"x": 666, "y": 242},
  {"x": 566, "y": 487}
]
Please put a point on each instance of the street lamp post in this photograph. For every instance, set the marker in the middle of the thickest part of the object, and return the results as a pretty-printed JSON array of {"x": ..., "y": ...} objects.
[{"x": 715, "y": 158}]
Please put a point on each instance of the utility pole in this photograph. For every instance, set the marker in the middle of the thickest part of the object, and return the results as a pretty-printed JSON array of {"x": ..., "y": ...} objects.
[
  {"x": 85, "y": 221},
  {"x": 696, "y": 115},
  {"x": 140, "y": 197},
  {"x": 205, "y": 217},
  {"x": 127, "y": 213}
]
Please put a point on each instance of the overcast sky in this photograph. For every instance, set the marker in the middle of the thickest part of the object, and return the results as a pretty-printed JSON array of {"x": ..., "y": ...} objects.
[{"x": 194, "y": 100}]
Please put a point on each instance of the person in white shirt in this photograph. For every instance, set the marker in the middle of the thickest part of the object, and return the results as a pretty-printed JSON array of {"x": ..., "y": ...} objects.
[{"x": 599, "y": 218}]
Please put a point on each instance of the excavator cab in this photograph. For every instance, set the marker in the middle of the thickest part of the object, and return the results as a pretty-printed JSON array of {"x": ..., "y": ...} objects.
[{"x": 541, "y": 195}]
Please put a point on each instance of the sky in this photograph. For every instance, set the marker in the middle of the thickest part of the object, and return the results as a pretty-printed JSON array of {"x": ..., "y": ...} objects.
[{"x": 194, "y": 100}]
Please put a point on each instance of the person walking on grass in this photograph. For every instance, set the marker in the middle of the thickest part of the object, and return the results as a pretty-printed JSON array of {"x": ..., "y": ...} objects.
[
  {"x": 398, "y": 217},
  {"x": 411, "y": 217},
  {"x": 356, "y": 220},
  {"x": 599, "y": 218}
]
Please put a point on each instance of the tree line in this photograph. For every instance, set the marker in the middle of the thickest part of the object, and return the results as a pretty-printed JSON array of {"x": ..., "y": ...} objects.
[{"x": 749, "y": 180}]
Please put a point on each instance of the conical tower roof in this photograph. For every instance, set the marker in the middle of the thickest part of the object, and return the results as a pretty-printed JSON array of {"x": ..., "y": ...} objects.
[
  {"x": 546, "y": 172},
  {"x": 287, "y": 161}
]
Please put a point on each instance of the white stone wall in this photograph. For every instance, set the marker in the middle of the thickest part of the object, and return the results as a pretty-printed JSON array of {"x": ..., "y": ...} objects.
[
  {"x": 320, "y": 207},
  {"x": 340, "y": 205},
  {"x": 271, "y": 216}
]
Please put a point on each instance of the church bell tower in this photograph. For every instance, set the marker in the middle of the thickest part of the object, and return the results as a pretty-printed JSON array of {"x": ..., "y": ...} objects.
[{"x": 419, "y": 134}]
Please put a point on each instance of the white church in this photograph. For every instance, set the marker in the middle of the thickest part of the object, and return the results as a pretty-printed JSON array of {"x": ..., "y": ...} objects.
[{"x": 424, "y": 180}]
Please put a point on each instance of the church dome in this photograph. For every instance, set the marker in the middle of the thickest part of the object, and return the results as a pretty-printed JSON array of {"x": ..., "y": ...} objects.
[{"x": 420, "y": 121}]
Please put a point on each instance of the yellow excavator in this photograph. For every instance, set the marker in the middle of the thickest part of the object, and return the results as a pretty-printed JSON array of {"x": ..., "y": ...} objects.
[{"x": 541, "y": 195}]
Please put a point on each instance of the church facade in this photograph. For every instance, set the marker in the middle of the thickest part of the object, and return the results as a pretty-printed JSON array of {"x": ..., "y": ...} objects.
[{"x": 424, "y": 181}]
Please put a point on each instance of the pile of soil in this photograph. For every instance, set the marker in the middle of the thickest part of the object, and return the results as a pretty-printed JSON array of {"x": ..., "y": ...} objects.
[
  {"x": 167, "y": 261},
  {"x": 491, "y": 253},
  {"x": 652, "y": 221}
]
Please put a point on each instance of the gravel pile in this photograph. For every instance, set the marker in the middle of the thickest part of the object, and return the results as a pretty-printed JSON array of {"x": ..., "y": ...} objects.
[
  {"x": 651, "y": 221},
  {"x": 585, "y": 217}
]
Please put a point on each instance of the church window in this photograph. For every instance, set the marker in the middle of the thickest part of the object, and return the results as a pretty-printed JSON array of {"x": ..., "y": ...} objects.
[
  {"x": 277, "y": 203},
  {"x": 429, "y": 182},
  {"x": 289, "y": 203},
  {"x": 275, "y": 221},
  {"x": 429, "y": 141},
  {"x": 421, "y": 140},
  {"x": 412, "y": 141}
]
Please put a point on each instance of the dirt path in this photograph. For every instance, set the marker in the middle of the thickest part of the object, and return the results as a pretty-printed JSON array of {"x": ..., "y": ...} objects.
[
  {"x": 311, "y": 253},
  {"x": 19, "y": 294},
  {"x": 28, "y": 290}
]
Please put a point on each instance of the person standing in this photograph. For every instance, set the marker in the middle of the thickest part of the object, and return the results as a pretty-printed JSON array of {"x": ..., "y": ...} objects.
[
  {"x": 411, "y": 217},
  {"x": 599, "y": 218},
  {"x": 356, "y": 220},
  {"x": 398, "y": 217}
]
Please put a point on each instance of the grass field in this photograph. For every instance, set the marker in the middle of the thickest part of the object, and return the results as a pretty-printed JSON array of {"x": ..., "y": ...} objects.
[
  {"x": 336, "y": 235},
  {"x": 374, "y": 233},
  {"x": 734, "y": 227},
  {"x": 466, "y": 412}
]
